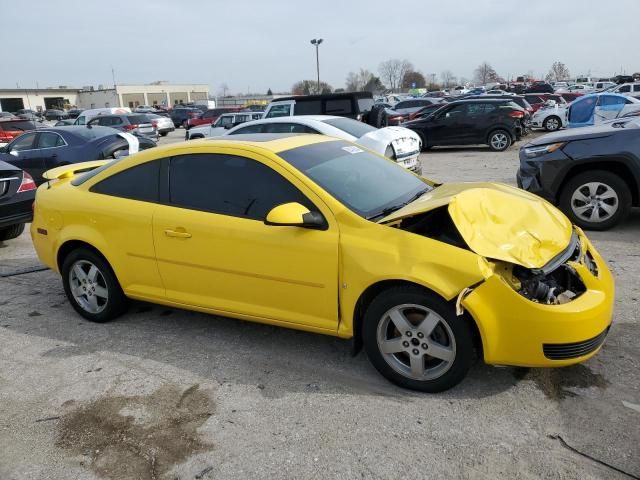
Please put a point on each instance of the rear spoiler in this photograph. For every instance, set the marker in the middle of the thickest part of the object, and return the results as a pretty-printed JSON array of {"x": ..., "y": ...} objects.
[{"x": 69, "y": 171}]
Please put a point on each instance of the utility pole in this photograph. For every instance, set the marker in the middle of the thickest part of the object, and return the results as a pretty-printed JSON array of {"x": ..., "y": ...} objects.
[{"x": 316, "y": 42}]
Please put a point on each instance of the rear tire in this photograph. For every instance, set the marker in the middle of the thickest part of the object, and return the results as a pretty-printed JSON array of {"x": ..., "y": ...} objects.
[
  {"x": 91, "y": 286},
  {"x": 599, "y": 190},
  {"x": 500, "y": 140},
  {"x": 377, "y": 116},
  {"x": 415, "y": 340},
  {"x": 552, "y": 123},
  {"x": 164, "y": 134},
  {"x": 11, "y": 232}
]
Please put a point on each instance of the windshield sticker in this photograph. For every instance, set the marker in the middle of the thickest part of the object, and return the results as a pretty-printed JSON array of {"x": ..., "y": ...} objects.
[{"x": 352, "y": 149}]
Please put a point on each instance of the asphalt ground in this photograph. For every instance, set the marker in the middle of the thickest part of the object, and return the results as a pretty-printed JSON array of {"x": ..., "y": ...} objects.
[{"x": 169, "y": 394}]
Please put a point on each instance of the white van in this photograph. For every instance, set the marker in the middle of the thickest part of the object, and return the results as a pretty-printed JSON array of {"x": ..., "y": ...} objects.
[{"x": 87, "y": 115}]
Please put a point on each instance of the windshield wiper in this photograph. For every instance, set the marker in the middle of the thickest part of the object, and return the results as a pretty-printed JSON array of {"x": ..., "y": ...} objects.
[{"x": 390, "y": 210}]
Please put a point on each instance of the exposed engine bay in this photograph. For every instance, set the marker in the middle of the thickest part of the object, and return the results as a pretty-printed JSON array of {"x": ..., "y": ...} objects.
[{"x": 557, "y": 285}]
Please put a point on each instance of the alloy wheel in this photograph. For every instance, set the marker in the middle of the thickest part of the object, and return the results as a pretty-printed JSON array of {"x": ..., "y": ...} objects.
[
  {"x": 499, "y": 141},
  {"x": 88, "y": 286},
  {"x": 594, "y": 202},
  {"x": 416, "y": 342},
  {"x": 552, "y": 124}
]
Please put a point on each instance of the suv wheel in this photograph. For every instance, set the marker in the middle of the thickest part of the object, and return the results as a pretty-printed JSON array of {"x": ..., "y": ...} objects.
[
  {"x": 596, "y": 200},
  {"x": 499, "y": 140},
  {"x": 92, "y": 287},
  {"x": 11, "y": 232},
  {"x": 415, "y": 339},
  {"x": 552, "y": 123}
]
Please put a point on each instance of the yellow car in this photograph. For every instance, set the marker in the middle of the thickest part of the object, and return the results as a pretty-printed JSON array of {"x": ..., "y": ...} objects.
[{"x": 318, "y": 234}]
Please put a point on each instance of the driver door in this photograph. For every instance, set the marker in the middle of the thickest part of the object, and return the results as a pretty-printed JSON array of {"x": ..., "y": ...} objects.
[
  {"x": 608, "y": 108},
  {"x": 214, "y": 250},
  {"x": 23, "y": 155}
]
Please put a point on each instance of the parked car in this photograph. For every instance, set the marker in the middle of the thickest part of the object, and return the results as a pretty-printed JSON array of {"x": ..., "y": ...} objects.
[
  {"x": 494, "y": 122},
  {"x": 356, "y": 105},
  {"x": 629, "y": 89},
  {"x": 599, "y": 107},
  {"x": 398, "y": 143},
  {"x": 605, "y": 85},
  {"x": 87, "y": 115},
  {"x": 29, "y": 115},
  {"x": 17, "y": 193},
  {"x": 65, "y": 122},
  {"x": 74, "y": 112},
  {"x": 180, "y": 115},
  {"x": 318, "y": 234},
  {"x": 540, "y": 87},
  {"x": 54, "y": 114},
  {"x": 11, "y": 127},
  {"x": 224, "y": 122},
  {"x": 210, "y": 116},
  {"x": 134, "y": 123},
  {"x": 404, "y": 110},
  {"x": 41, "y": 150},
  {"x": 426, "y": 110},
  {"x": 551, "y": 116},
  {"x": 582, "y": 88},
  {"x": 163, "y": 124},
  {"x": 538, "y": 100},
  {"x": 7, "y": 115},
  {"x": 592, "y": 173}
]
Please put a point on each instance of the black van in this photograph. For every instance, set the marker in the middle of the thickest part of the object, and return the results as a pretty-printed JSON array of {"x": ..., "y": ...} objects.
[{"x": 356, "y": 105}]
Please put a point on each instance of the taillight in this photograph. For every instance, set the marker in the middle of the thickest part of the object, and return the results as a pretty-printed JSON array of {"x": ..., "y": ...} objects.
[
  {"x": 130, "y": 127},
  {"x": 516, "y": 114},
  {"x": 154, "y": 123},
  {"x": 27, "y": 183}
]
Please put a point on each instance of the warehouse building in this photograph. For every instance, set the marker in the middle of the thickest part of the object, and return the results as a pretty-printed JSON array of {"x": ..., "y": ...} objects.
[{"x": 156, "y": 93}]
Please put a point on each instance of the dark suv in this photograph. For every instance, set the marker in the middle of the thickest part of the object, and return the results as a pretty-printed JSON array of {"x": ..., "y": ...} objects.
[
  {"x": 134, "y": 123},
  {"x": 181, "y": 115},
  {"x": 356, "y": 105},
  {"x": 497, "y": 123}
]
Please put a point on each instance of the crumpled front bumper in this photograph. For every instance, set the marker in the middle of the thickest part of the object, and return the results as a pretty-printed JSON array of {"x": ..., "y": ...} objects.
[{"x": 517, "y": 331}]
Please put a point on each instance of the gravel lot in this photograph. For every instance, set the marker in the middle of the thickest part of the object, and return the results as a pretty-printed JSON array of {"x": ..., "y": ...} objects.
[{"x": 169, "y": 394}]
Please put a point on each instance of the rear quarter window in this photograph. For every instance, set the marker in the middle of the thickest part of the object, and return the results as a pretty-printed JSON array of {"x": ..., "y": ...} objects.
[
  {"x": 136, "y": 183},
  {"x": 340, "y": 106},
  {"x": 308, "y": 107}
]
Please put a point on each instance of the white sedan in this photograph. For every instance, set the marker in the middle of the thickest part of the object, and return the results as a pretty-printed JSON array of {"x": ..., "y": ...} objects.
[
  {"x": 551, "y": 117},
  {"x": 398, "y": 143}
]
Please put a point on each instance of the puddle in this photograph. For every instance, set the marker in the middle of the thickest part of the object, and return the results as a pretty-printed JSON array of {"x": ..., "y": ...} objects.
[
  {"x": 556, "y": 382},
  {"x": 141, "y": 437}
]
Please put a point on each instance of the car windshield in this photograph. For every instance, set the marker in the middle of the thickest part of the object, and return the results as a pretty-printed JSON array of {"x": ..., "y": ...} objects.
[
  {"x": 92, "y": 132},
  {"x": 352, "y": 127},
  {"x": 370, "y": 185}
]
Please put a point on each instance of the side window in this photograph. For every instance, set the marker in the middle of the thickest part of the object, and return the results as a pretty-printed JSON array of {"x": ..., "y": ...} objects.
[
  {"x": 23, "y": 142},
  {"x": 224, "y": 120},
  {"x": 308, "y": 107},
  {"x": 636, "y": 87},
  {"x": 340, "y": 106},
  {"x": 283, "y": 110},
  {"x": 625, "y": 89},
  {"x": 137, "y": 183},
  {"x": 241, "y": 118},
  {"x": 229, "y": 185},
  {"x": 248, "y": 129},
  {"x": 50, "y": 140},
  {"x": 456, "y": 112},
  {"x": 610, "y": 101},
  {"x": 287, "y": 128},
  {"x": 115, "y": 121}
]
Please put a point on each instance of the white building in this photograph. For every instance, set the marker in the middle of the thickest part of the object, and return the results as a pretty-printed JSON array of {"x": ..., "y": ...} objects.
[{"x": 157, "y": 93}]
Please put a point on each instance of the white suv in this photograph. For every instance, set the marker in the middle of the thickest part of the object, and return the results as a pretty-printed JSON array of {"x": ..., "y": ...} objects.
[{"x": 628, "y": 89}]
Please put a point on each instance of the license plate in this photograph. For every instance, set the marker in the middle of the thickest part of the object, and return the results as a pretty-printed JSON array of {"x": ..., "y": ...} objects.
[{"x": 408, "y": 163}]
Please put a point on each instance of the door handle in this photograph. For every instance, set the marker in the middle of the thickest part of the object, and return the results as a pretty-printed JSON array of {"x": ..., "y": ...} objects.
[{"x": 178, "y": 233}]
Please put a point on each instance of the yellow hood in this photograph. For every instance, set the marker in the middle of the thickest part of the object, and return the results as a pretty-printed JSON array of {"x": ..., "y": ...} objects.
[{"x": 498, "y": 221}]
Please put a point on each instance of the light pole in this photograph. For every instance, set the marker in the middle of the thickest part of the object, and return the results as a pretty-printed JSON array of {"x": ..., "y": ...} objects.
[{"x": 317, "y": 42}]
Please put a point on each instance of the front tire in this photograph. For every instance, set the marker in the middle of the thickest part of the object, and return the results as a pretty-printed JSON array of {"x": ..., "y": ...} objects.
[
  {"x": 500, "y": 140},
  {"x": 596, "y": 200},
  {"x": 415, "y": 340},
  {"x": 552, "y": 123},
  {"x": 11, "y": 232},
  {"x": 91, "y": 286}
]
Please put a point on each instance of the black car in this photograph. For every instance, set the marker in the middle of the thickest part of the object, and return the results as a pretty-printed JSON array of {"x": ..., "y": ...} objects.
[
  {"x": 540, "y": 87},
  {"x": 17, "y": 193},
  {"x": 180, "y": 115},
  {"x": 38, "y": 151},
  {"x": 591, "y": 173},
  {"x": 496, "y": 123},
  {"x": 54, "y": 114}
]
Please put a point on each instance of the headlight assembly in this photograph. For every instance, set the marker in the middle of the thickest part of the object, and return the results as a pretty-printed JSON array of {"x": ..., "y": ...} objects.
[{"x": 538, "y": 151}]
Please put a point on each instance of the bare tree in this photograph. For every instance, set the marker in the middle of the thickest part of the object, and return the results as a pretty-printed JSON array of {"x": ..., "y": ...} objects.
[
  {"x": 392, "y": 72},
  {"x": 362, "y": 81},
  {"x": 448, "y": 78},
  {"x": 310, "y": 87},
  {"x": 405, "y": 67},
  {"x": 558, "y": 72},
  {"x": 485, "y": 74}
]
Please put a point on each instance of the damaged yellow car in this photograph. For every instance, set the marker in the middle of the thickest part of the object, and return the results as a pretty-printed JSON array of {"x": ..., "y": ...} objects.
[{"x": 318, "y": 234}]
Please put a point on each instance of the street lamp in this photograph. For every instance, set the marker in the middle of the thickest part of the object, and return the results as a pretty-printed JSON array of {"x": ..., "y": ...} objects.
[{"x": 317, "y": 42}]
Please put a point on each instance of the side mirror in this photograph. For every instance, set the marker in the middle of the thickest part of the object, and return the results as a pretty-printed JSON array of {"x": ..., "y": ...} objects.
[
  {"x": 3, "y": 150},
  {"x": 14, "y": 153},
  {"x": 295, "y": 215}
]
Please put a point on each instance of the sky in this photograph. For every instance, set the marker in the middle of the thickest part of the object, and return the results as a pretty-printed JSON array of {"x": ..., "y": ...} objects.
[{"x": 256, "y": 45}]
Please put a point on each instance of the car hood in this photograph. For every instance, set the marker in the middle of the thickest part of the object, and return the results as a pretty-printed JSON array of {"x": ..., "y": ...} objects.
[
  {"x": 498, "y": 221},
  {"x": 573, "y": 134}
]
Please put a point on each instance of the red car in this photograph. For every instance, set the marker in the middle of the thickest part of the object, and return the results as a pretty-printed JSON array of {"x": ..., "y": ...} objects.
[
  {"x": 210, "y": 116},
  {"x": 571, "y": 96},
  {"x": 537, "y": 100},
  {"x": 11, "y": 127}
]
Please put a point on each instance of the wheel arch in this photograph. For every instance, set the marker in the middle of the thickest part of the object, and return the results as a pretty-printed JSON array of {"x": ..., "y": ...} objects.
[
  {"x": 615, "y": 166},
  {"x": 70, "y": 245},
  {"x": 373, "y": 290}
]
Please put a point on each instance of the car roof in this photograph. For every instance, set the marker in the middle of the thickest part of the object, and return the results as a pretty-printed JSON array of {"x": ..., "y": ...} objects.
[{"x": 272, "y": 142}]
